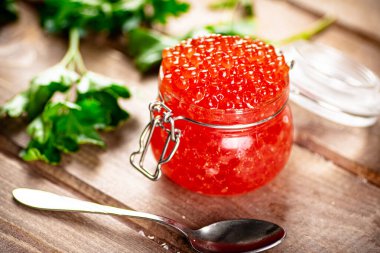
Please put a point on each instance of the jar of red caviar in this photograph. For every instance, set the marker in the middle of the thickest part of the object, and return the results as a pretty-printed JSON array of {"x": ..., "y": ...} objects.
[{"x": 221, "y": 125}]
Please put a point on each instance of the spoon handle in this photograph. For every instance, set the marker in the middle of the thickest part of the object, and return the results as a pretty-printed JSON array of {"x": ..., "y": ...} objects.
[{"x": 49, "y": 201}]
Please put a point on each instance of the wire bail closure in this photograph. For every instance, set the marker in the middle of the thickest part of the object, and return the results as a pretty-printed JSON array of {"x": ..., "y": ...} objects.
[{"x": 160, "y": 117}]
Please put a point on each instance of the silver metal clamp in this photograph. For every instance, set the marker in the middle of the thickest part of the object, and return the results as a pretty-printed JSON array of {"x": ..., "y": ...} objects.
[{"x": 161, "y": 118}]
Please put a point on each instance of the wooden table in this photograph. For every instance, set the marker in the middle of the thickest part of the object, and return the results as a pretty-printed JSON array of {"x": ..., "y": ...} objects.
[{"x": 327, "y": 197}]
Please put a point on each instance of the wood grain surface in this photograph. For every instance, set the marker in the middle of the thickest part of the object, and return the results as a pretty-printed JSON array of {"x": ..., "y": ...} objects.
[
  {"x": 324, "y": 207},
  {"x": 355, "y": 149},
  {"x": 359, "y": 16},
  {"x": 26, "y": 230}
]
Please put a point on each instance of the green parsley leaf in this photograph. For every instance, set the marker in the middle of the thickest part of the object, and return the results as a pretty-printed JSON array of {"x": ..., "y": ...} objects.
[
  {"x": 62, "y": 127},
  {"x": 162, "y": 9},
  {"x": 69, "y": 129},
  {"x": 93, "y": 82},
  {"x": 106, "y": 92},
  {"x": 146, "y": 47},
  {"x": 105, "y": 15},
  {"x": 32, "y": 101},
  {"x": 92, "y": 113},
  {"x": 40, "y": 129},
  {"x": 44, "y": 152},
  {"x": 16, "y": 106},
  {"x": 58, "y": 16}
]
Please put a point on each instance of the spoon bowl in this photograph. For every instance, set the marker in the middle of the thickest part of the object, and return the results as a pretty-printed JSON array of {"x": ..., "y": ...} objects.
[{"x": 243, "y": 235}]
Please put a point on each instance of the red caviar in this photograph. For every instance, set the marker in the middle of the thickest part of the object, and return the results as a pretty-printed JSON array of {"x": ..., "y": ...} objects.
[{"x": 226, "y": 80}]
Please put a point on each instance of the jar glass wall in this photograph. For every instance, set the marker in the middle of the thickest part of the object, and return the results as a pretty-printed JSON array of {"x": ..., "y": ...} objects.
[
  {"x": 222, "y": 125},
  {"x": 225, "y": 162},
  {"x": 220, "y": 161}
]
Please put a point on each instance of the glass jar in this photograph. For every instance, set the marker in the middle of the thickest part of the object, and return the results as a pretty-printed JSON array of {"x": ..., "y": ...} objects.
[
  {"x": 225, "y": 153},
  {"x": 217, "y": 151}
]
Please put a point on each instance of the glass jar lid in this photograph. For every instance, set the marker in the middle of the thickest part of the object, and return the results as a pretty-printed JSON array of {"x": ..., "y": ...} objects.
[{"x": 330, "y": 84}]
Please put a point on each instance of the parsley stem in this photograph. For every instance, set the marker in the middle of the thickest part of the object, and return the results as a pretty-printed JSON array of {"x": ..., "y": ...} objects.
[
  {"x": 79, "y": 63},
  {"x": 73, "y": 47},
  {"x": 307, "y": 34},
  {"x": 73, "y": 58}
]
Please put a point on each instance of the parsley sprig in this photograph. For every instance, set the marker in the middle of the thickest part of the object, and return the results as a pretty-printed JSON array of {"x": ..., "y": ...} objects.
[
  {"x": 111, "y": 16},
  {"x": 59, "y": 120},
  {"x": 135, "y": 20}
]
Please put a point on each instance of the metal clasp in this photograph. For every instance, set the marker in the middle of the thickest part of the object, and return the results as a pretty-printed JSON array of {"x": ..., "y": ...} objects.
[{"x": 160, "y": 117}]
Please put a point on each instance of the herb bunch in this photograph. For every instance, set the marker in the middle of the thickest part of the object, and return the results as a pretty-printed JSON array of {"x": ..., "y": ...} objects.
[
  {"x": 133, "y": 19},
  {"x": 66, "y": 105},
  {"x": 110, "y": 16}
]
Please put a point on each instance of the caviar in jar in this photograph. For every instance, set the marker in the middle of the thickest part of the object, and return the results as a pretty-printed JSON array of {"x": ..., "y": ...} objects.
[{"x": 234, "y": 91}]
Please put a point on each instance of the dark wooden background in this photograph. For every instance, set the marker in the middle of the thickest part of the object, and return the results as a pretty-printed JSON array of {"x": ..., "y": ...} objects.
[{"x": 327, "y": 197}]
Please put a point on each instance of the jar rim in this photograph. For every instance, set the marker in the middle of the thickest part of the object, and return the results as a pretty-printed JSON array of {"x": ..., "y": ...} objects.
[
  {"x": 230, "y": 111},
  {"x": 233, "y": 126},
  {"x": 244, "y": 111}
]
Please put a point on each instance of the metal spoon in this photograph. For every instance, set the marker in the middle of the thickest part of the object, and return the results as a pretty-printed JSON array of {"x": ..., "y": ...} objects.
[{"x": 244, "y": 235}]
